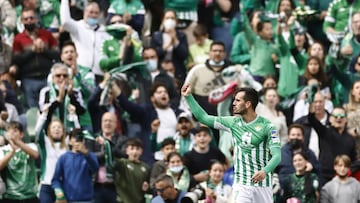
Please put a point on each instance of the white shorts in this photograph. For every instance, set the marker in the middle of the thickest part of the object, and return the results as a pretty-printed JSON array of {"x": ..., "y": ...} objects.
[{"x": 252, "y": 194}]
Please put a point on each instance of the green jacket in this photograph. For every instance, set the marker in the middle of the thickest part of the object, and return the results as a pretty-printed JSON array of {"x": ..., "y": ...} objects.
[
  {"x": 339, "y": 14},
  {"x": 240, "y": 52},
  {"x": 110, "y": 53},
  {"x": 261, "y": 63}
]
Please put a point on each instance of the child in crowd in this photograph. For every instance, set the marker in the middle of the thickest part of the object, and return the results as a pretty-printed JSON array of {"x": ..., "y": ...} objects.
[
  {"x": 17, "y": 163},
  {"x": 199, "y": 51},
  {"x": 198, "y": 159},
  {"x": 341, "y": 188},
  {"x": 131, "y": 174},
  {"x": 72, "y": 180},
  {"x": 216, "y": 190},
  {"x": 159, "y": 167}
]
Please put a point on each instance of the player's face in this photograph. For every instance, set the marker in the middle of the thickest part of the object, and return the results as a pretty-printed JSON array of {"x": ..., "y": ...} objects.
[
  {"x": 299, "y": 163},
  {"x": 239, "y": 104}
]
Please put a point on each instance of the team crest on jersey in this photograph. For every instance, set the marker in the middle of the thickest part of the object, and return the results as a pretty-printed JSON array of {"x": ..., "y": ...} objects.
[
  {"x": 275, "y": 136},
  {"x": 258, "y": 128}
]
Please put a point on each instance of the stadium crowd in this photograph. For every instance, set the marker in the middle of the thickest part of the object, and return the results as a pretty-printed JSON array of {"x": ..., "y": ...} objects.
[{"x": 92, "y": 110}]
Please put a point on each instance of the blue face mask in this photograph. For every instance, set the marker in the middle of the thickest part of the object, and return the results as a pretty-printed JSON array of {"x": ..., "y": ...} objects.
[
  {"x": 152, "y": 65},
  {"x": 176, "y": 169},
  {"x": 92, "y": 21},
  {"x": 213, "y": 63}
]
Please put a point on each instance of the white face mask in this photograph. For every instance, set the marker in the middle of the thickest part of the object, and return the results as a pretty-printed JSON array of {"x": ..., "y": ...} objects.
[
  {"x": 213, "y": 63},
  {"x": 176, "y": 169},
  {"x": 152, "y": 65},
  {"x": 169, "y": 24}
]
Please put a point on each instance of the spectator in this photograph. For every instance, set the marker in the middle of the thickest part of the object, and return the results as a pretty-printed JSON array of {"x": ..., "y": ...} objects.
[
  {"x": 341, "y": 188},
  {"x": 178, "y": 172},
  {"x": 164, "y": 187},
  {"x": 108, "y": 146},
  {"x": 160, "y": 167},
  {"x": 265, "y": 54},
  {"x": 88, "y": 35},
  {"x": 83, "y": 79},
  {"x": 124, "y": 46},
  {"x": 97, "y": 107},
  {"x": 338, "y": 15},
  {"x": 159, "y": 74},
  {"x": 59, "y": 94},
  {"x": 131, "y": 174},
  {"x": 53, "y": 142},
  {"x": 48, "y": 12},
  {"x": 295, "y": 144},
  {"x": 132, "y": 11},
  {"x": 353, "y": 114},
  {"x": 215, "y": 189},
  {"x": 269, "y": 110},
  {"x": 198, "y": 159},
  {"x": 184, "y": 138},
  {"x": 334, "y": 140},
  {"x": 72, "y": 180},
  {"x": 301, "y": 185},
  {"x": 206, "y": 77},
  {"x": 198, "y": 51},
  {"x": 349, "y": 43},
  {"x": 158, "y": 113},
  {"x": 171, "y": 45},
  {"x": 311, "y": 138},
  {"x": 18, "y": 165},
  {"x": 35, "y": 50},
  {"x": 7, "y": 22}
]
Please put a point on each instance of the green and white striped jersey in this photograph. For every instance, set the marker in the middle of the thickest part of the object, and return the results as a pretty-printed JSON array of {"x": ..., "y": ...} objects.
[{"x": 252, "y": 144}]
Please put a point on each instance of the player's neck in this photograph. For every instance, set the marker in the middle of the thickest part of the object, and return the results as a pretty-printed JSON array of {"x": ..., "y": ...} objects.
[
  {"x": 202, "y": 150},
  {"x": 250, "y": 116}
]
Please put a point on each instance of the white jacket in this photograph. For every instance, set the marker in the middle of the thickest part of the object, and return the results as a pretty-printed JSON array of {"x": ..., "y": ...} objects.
[{"x": 88, "y": 40}]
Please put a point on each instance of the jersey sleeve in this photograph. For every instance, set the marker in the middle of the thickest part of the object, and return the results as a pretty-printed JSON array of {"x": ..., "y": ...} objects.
[{"x": 273, "y": 141}]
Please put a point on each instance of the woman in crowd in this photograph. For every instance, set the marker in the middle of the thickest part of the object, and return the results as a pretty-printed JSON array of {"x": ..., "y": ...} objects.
[
  {"x": 178, "y": 171},
  {"x": 301, "y": 185}
]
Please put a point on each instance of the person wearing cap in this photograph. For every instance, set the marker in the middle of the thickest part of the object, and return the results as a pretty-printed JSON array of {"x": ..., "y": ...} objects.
[{"x": 184, "y": 138}]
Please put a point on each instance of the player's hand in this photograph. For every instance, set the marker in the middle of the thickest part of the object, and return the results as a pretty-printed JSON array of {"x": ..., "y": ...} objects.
[
  {"x": 186, "y": 89},
  {"x": 258, "y": 176}
]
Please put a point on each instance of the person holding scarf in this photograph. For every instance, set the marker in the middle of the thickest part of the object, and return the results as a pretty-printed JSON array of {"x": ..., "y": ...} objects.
[{"x": 59, "y": 94}]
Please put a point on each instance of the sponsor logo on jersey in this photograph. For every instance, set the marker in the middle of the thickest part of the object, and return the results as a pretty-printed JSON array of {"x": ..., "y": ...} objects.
[{"x": 275, "y": 136}]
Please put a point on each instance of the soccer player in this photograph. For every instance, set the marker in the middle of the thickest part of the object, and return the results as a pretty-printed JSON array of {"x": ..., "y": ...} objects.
[{"x": 256, "y": 144}]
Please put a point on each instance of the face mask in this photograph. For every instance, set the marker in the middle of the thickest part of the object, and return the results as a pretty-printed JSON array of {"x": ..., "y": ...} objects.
[
  {"x": 169, "y": 24},
  {"x": 296, "y": 143},
  {"x": 152, "y": 65},
  {"x": 176, "y": 169},
  {"x": 213, "y": 63},
  {"x": 92, "y": 21},
  {"x": 30, "y": 27}
]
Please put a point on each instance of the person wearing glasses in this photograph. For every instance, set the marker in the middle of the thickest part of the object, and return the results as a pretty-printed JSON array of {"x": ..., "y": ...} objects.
[
  {"x": 34, "y": 52},
  {"x": 166, "y": 191},
  {"x": 60, "y": 97},
  {"x": 334, "y": 140}
]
